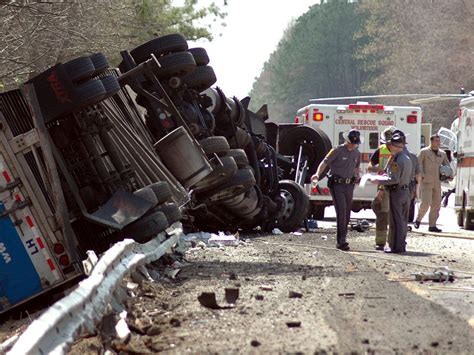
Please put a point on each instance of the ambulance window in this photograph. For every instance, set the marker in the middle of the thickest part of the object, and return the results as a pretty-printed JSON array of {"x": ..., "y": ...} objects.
[
  {"x": 423, "y": 142},
  {"x": 373, "y": 140},
  {"x": 341, "y": 138}
]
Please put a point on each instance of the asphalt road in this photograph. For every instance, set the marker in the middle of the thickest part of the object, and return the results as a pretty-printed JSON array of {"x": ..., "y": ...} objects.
[
  {"x": 447, "y": 220},
  {"x": 298, "y": 294}
]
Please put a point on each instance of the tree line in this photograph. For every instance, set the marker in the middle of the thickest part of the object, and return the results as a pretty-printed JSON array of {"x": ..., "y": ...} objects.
[{"x": 347, "y": 48}]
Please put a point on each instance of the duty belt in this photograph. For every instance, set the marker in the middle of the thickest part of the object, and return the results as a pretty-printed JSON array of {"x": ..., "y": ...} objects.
[
  {"x": 397, "y": 187},
  {"x": 339, "y": 180}
]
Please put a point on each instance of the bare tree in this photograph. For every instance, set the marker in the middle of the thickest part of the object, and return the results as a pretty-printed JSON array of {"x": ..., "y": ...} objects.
[{"x": 36, "y": 35}]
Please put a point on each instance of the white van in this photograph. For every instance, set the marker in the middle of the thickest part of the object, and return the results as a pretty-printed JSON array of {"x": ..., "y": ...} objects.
[
  {"x": 370, "y": 120},
  {"x": 464, "y": 200}
]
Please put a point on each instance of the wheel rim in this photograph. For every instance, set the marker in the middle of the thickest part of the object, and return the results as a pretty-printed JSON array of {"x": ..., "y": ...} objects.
[{"x": 288, "y": 205}]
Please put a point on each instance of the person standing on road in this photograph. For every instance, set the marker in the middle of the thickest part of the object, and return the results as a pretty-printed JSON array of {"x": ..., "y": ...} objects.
[
  {"x": 399, "y": 173},
  {"x": 343, "y": 162},
  {"x": 380, "y": 204},
  {"x": 431, "y": 158}
]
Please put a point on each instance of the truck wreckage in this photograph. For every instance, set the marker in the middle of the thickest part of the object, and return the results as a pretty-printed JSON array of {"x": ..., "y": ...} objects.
[{"x": 90, "y": 155}]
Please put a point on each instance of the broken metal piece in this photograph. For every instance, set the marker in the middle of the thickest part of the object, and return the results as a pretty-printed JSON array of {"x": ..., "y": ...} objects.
[
  {"x": 208, "y": 299},
  {"x": 231, "y": 295},
  {"x": 442, "y": 274}
]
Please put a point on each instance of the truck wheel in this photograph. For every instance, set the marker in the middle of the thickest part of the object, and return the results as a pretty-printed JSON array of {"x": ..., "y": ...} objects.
[
  {"x": 238, "y": 184},
  {"x": 162, "y": 191},
  {"x": 315, "y": 143},
  {"x": 220, "y": 173},
  {"x": 171, "y": 211},
  {"x": 200, "y": 55},
  {"x": 201, "y": 79},
  {"x": 79, "y": 69},
  {"x": 147, "y": 194},
  {"x": 147, "y": 227},
  {"x": 241, "y": 139},
  {"x": 100, "y": 62},
  {"x": 159, "y": 46},
  {"x": 179, "y": 64},
  {"x": 111, "y": 85},
  {"x": 215, "y": 144},
  {"x": 468, "y": 220},
  {"x": 90, "y": 92},
  {"x": 293, "y": 209},
  {"x": 240, "y": 157},
  {"x": 411, "y": 211}
]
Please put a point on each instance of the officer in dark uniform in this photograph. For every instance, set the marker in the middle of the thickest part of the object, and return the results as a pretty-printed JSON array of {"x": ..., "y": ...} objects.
[
  {"x": 343, "y": 162},
  {"x": 399, "y": 173}
]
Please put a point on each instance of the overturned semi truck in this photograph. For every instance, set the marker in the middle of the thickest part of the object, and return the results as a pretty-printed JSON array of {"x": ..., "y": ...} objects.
[{"x": 91, "y": 155}]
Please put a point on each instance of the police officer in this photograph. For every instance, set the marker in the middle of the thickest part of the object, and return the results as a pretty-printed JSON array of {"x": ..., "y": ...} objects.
[
  {"x": 343, "y": 162},
  {"x": 399, "y": 173},
  {"x": 380, "y": 204}
]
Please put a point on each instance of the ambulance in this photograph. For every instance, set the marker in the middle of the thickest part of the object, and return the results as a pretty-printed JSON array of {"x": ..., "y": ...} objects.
[
  {"x": 464, "y": 195},
  {"x": 371, "y": 120}
]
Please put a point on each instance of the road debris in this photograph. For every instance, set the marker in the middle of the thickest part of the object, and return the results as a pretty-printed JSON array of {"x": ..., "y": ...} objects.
[
  {"x": 442, "y": 274},
  {"x": 276, "y": 231},
  {"x": 294, "y": 294},
  {"x": 208, "y": 299},
  {"x": 266, "y": 288},
  {"x": 293, "y": 324},
  {"x": 222, "y": 239},
  {"x": 348, "y": 295}
]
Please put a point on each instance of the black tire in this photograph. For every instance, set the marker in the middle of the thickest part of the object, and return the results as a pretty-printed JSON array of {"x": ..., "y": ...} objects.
[
  {"x": 219, "y": 175},
  {"x": 200, "y": 55},
  {"x": 176, "y": 64},
  {"x": 147, "y": 194},
  {"x": 171, "y": 211},
  {"x": 468, "y": 220},
  {"x": 240, "y": 157},
  {"x": 238, "y": 184},
  {"x": 159, "y": 46},
  {"x": 100, "y": 62},
  {"x": 411, "y": 211},
  {"x": 162, "y": 191},
  {"x": 294, "y": 207},
  {"x": 315, "y": 142},
  {"x": 79, "y": 69},
  {"x": 241, "y": 139},
  {"x": 90, "y": 92},
  {"x": 215, "y": 145},
  {"x": 111, "y": 85},
  {"x": 201, "y": 79},
  {"x": 146, "y": 227}
]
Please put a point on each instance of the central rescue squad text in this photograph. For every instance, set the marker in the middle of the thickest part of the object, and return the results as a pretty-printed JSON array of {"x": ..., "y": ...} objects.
[{"x": 364, "y": 125}]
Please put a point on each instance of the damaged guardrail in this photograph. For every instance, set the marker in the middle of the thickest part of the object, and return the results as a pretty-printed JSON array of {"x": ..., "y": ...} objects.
[{"x": 55, "y": 330}]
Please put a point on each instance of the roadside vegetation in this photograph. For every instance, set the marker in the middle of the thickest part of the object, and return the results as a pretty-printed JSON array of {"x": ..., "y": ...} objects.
[{"x": 342, "y": 48}]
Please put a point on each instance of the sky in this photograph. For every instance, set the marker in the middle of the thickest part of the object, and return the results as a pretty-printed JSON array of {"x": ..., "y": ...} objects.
[{"x": 253, "y": 30}]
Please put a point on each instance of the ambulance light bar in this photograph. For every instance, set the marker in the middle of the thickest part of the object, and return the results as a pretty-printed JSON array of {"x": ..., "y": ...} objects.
[{"x": 366, "y": 107}]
